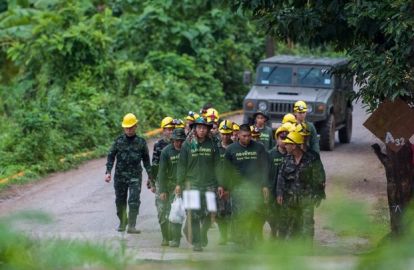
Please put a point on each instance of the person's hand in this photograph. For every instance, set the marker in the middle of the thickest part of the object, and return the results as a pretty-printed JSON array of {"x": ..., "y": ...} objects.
[
  {"x": 266, "y": 194},
  {"x": 220, "y": 192},
  {"x": 108, "y": 177},
  {"x": 163, "y": 196},
  {"x": 280, "y": 200},
  {"x": 178, "y": 190}
]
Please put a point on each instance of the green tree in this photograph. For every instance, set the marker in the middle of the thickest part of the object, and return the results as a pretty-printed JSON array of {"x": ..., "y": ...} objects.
[
  {"x": 378, "y": 37},
  {"x": 69, "y": 70}
]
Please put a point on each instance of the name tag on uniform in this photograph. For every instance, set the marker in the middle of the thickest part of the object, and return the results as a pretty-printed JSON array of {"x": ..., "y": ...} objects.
[
  {"x": 191, "y": 199},
  {"x": 211, "y": 201}
]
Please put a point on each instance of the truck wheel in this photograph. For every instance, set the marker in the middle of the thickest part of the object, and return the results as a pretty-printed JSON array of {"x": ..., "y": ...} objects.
[
  {"x": 327, "y": 140},
  {"x": 345, "y": 133}
]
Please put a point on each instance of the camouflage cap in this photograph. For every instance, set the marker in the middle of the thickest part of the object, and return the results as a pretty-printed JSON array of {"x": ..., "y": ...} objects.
[{"x": 178, "y": 134}]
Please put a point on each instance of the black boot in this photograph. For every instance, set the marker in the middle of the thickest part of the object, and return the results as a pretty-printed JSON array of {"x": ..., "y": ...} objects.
[
  {"x": 205, "y": 226},
  {"x": 196, "y": 234},
  {"x": 175, "y": 234},
  {"x": 132, "y": 221},
  {"x": 223, "y": 225},
  {"x": 165, "y": 234},
  {"x": 122, "y": 216}
]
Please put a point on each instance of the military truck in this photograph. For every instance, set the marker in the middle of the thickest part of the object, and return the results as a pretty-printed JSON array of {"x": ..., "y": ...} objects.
[{"x": 282, "y": 80}]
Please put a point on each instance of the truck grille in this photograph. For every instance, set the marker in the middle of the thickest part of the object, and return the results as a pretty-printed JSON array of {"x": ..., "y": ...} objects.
[{"x": 281, "y": 107}]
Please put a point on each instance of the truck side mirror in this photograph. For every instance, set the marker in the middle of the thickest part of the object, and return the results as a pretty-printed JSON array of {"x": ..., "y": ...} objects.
[{"x": 247, "y": 77}]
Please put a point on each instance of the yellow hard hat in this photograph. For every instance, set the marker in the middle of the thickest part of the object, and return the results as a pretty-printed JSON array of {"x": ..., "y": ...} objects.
[
  {"x": 212, "y": 115},
  {"x": 289, "y": 118},
  {"x": 294, "y": 138},
  {"x": 255, "y": 131},
  {"x": 286, "y": 127},
  {"x": 302, "y": 128},
  {"x": 167, "y": 122},
  {"x": 178, "y": 123},
  {"x": 300, "y": 106},
  {"x": 226, "y": 127},
  {"x": 129, "y": 120},
  {"x": 236, "y": 127},
  {"x": 192, "y": 116}
]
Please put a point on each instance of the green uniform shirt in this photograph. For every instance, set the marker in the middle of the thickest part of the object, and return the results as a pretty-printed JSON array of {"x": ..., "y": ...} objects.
[
  {"x": 305, "y": 178},
  {"x": 247, "y": 165},
  {"x": 129, "y": 152},
  {"x": 313, "y": 140},
  {"x": 198, "y": 164},
  {"x": 276, "y": 159},
  {"x": 266, "y": 138},
  {"x": 167, "y": 173}
]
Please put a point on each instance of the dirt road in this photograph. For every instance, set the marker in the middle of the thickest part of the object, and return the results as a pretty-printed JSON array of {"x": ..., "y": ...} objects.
[{"x": 82, "y": 205}]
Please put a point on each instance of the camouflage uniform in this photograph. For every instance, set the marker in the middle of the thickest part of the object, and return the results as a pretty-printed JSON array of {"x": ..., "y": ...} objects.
[
  {"x": 276, "y": 158},
  {"x": 161, "y": 206},
  {"x": 156, "y": 155},
  {"x": 129, "y": 152},
  {"x": 302, "y": 187},
  {"x": 167, "y": 179},
  {"x": 197, "y": 168}
]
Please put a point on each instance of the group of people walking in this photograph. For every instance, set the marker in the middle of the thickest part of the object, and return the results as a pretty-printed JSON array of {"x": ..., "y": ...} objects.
[{"x": 258, "y": 176}]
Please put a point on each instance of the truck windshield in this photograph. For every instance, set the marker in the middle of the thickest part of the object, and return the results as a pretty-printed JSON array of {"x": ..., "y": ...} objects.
[
  {"x": 314, "y": 76},
  {"x": 274, "y": 75},
  {"x": 268, "y": 74}
]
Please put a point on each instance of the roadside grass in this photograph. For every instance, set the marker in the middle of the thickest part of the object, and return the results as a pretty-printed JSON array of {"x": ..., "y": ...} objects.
[
  {"x": 19, "y": 251},
  {"x": 347, "y": 219}
]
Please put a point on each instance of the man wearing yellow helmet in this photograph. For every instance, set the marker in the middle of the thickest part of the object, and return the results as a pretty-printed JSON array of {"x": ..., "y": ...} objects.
[
  {"x": 224, "y": 205},
  {"x": 189, "y": 119},
  {"x": 234, "y": 136},
  {"x": 203, "y": 110},
  {"x": 246, "y": 178},
  {"x": 302, "y": 129},
  {"x": 212, "y": 117},
  {"x": 167, "y": 125},
  {"x": 266, "y": 133},
  {"x": 276, "y": 158},
  {"x": 300, "y": 187},
  {"x": 178, "y": 123},
  {"x": 129, "y": 150},
  {"x": 300, "y": 110}
]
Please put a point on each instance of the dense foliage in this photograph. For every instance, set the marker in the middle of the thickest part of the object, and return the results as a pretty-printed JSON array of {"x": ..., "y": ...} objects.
[
  {"x": 71, "y": 69},
  {"x": 377, "y": 35}
]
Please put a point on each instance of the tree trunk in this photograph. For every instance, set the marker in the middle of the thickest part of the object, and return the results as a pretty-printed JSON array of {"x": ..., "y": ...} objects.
[
  {"x": 270, "y": 46},
  {"x": 399, "y": 170}
]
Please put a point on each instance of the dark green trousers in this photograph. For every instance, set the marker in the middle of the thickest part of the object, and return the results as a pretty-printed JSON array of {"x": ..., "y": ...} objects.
[{"x": 127, "y": 192}]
